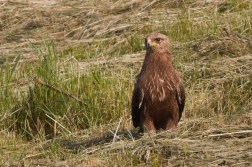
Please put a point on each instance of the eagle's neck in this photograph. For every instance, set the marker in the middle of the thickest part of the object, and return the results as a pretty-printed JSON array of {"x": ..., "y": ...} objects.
[{"x": 157, "y": 63}]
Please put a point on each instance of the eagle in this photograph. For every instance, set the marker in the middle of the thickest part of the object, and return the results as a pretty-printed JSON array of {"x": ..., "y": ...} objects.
[{"x": 158, "y": 97}]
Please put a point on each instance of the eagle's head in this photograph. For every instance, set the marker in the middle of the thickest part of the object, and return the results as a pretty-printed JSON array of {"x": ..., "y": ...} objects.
[{"x": 156, "y": 42}]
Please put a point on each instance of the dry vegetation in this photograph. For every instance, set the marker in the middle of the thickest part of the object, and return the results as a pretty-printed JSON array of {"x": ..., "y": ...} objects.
[{"x": 66, "y": 77}]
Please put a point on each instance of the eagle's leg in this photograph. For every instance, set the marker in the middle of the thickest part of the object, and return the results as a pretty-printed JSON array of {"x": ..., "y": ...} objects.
[
  {"x": 171, "y": 124},
  {"x": 148, "y": 126}
]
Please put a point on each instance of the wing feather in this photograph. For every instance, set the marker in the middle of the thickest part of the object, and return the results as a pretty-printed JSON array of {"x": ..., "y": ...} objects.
[
  {"x": 180, "y": 95},
  {"x": 136, "y": 103}
]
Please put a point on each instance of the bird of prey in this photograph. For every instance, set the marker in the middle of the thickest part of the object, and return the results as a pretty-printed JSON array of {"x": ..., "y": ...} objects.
[{"x": 159, "y": 97}]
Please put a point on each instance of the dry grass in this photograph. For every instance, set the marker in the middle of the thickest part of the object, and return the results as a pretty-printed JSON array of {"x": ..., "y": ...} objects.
[{"x": 106, "y": 37}]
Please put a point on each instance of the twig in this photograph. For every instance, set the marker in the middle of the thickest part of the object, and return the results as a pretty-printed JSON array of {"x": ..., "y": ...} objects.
[
  {"x": 149, "y": 4},
  {"x": 115, "y": 136},
  {"x": 224, "y": 134},
  {"x": 227, "y": 30},
  {"x": 130, "y": 135},
  {"x": 150, "y": 136},
  {"x": 58, "y": 90},
  {"x": 34, "y": 155},
  {"x": 230, "y": 32},
  {"x": 59, "y": 124},
  {"x": 12, "y": 113},
  {"x": 92, "y": 151}
]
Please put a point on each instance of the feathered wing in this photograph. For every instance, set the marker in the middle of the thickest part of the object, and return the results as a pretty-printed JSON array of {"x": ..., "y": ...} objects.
[
  {"x": 136, "y": 103},
  {"x": 180, "y": 95}
]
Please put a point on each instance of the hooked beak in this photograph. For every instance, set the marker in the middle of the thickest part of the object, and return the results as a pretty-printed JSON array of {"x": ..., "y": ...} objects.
[{"x": 149, "y": 43}]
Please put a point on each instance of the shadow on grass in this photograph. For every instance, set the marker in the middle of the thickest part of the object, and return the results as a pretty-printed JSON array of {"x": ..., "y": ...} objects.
[{"x": 105, "y": 139}]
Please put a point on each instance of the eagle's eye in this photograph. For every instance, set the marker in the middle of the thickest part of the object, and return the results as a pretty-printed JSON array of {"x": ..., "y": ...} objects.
[{"x": 158, "y": 39}]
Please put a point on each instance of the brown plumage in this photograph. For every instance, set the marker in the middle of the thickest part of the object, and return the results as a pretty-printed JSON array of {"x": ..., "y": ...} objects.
[{"x": 158, "y": 97}]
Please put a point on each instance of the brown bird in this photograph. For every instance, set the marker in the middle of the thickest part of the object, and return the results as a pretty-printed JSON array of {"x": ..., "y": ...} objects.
[{"x": 158, "y": 98}]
